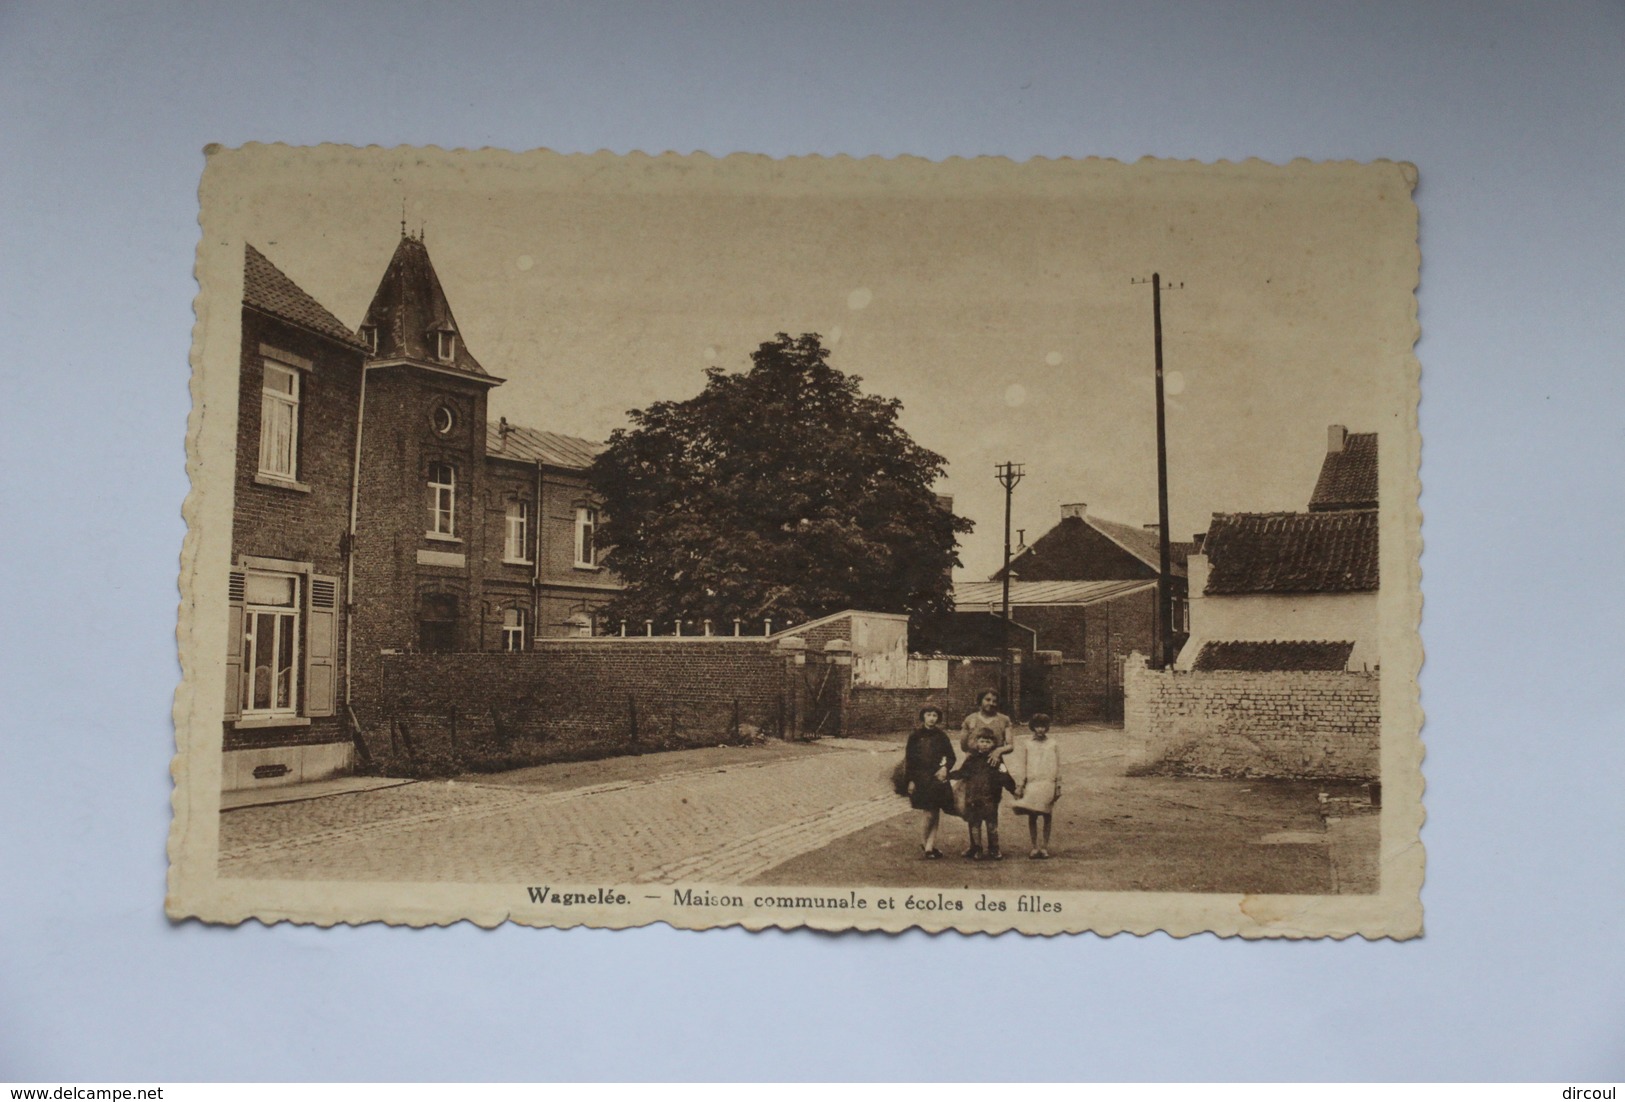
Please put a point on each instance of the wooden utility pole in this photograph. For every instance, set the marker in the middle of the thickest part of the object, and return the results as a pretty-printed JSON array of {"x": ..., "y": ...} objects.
[
  {"x": 1164, "y": 656},
  {"x": 1008, "y": 475}
]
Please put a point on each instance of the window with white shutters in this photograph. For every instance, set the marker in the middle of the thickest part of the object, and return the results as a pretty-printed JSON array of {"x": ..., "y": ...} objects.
[
  {"x": 281, "y": 645},
  {"x": 270, "y": 645},
  {"x": 321, "y": 646}
]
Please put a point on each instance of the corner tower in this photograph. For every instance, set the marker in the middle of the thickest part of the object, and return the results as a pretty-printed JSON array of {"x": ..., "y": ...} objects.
[{"x": 420, "y": 519}]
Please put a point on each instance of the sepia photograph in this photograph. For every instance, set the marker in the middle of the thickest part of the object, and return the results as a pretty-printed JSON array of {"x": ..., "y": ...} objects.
[{"x": 854, "y": 544}]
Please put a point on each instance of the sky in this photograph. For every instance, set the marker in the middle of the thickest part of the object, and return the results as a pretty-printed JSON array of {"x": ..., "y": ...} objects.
[{"x": 997, "y": 301}]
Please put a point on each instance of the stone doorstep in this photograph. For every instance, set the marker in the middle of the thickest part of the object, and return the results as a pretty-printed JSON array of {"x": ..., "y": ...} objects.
[{"x": 309, "y": 790}]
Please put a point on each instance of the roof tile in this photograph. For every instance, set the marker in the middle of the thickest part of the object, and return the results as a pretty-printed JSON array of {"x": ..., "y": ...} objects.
[
  {"x": 1292, "y": 553},
  {"x": 1273, "y": 655},
  {"x": 268, "y": 290},
  {"x": 1348, "y": 478}
]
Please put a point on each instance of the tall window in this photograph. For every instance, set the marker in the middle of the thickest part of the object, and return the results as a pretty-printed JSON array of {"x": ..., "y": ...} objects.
[
  {"x": 279, "y": 422},
  {"x": 442, "y": 500},
  {"x": 513, "y": 629},
  {"x": 515, "y": 548},
  {"x": 437, "y": 623},
  {"x": 586, "y": 532},
  {"x": 445, "y": 345},
  {"x": 270, "y": 644}
]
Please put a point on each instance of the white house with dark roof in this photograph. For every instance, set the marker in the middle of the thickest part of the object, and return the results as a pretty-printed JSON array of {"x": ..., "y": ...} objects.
[{"x": 1293, "y": 591}]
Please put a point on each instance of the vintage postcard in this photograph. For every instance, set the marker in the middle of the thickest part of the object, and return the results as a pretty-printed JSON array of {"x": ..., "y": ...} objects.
[{"x": 851, "y": 544}]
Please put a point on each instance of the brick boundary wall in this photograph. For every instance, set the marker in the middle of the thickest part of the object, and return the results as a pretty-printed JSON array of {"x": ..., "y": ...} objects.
[
  {"x": 1303, "y": 724},
  {"x": 872, "y": 711},
  {"x": 586, "y": 691},
  {"x": 879, "y": 711},
  {"x": 1075, "y": 696}
]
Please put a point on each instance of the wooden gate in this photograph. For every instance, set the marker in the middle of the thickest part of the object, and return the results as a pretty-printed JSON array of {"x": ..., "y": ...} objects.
[{"x": 821, "y": 690}]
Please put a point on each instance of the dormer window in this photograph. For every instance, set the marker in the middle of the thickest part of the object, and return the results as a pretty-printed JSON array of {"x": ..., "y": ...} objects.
[
  {"x": 369, "y": 337},
  {"x": 445, "y": 347}
]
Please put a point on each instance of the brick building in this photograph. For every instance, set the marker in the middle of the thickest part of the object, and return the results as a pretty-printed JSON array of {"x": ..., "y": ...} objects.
[
  {"x": 299, "y": 403},
  {"x": 1087, "y": 592},
  {"x": 378, "y": 511}
]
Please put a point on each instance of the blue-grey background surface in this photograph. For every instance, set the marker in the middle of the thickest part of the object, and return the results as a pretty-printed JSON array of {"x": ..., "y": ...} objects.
[{"x": 1514, "y": 113}]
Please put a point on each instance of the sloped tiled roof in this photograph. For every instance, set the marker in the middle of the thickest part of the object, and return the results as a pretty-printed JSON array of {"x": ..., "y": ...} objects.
[
  {"x": 1292, "y": 553},
  {"x": 1070, "y": 551},
  {"x": 528, "y": 445},
  {"x": 976, "y": 596},
  {"x": 1274, "y": 655},
  {"x": 409, "y": 306},
  {"x": 1348, "y": 477},
  {"x": 268, "y": 290},
  {"x": 1143, "y": 543}
]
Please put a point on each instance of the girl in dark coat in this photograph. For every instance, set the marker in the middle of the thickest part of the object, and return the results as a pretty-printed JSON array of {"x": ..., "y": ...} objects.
[{"x": 927, "y": 759}]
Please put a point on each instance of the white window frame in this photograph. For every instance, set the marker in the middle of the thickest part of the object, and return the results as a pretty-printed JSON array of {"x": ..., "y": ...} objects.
[
  {"x": 445, "y": 345},
  {"x": 275, "y": 405},
  {"x": 516, "y": 532},
  {"x": 289, "y": 622},
  {"x": 369, "y": 337},
  {"x": 586, "y": 521},
  {"x": 513, "y": 630},
  {"x": 442, "y": 501}
]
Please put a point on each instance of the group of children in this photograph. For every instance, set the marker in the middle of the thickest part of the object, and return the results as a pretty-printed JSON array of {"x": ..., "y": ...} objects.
[{"x": 1033, "y": 775}]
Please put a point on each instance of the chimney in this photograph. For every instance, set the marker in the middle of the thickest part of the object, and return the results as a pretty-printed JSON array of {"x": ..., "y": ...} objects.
[
  {"x": 1076, "y": 509},
  {"x": 1336, "y": 437}
]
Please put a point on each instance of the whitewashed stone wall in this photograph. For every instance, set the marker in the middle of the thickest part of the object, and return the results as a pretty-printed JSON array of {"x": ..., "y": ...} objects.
[{"x": 1320, "y": 724}]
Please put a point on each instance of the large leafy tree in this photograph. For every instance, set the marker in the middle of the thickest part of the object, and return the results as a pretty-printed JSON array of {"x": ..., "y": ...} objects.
[{"x": 783, "y": 491}]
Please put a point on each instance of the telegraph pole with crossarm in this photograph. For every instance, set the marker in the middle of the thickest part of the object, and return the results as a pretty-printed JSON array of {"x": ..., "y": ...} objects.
[
  {"x": 1164, "y": 656},
  {"x": 1008, "y": 475}
]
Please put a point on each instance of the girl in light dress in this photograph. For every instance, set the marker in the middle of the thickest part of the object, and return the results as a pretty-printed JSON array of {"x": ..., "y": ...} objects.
[{"x": 1036, "y": 767}]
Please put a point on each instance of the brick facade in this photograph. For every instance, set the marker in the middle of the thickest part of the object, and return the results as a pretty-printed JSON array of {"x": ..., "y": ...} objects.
[
  {"x": 402, "y": 569},
  {"x": 1313, "y": 724},
  {"x": 383, "y": 414},
  {"x": 596, "y": 690},
  {"x": 291, "y": 525},
  {"x": 567, "y": 597},
  {"x": 880, "y": 711}
]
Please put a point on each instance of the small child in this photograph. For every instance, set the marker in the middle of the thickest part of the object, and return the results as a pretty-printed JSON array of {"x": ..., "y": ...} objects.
[
  {"x": 1038, "y": 783},
  {"x": 985, "y": 780}
]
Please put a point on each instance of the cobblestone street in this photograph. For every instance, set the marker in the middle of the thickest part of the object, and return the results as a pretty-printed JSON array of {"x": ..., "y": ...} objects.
[{"x": 819, "y": 813}]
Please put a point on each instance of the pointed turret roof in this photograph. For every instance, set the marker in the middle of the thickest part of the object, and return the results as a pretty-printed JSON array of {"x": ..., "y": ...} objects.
[
  {"x": 268, "y": 290},
  {"x": 410, "y": 307}
]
